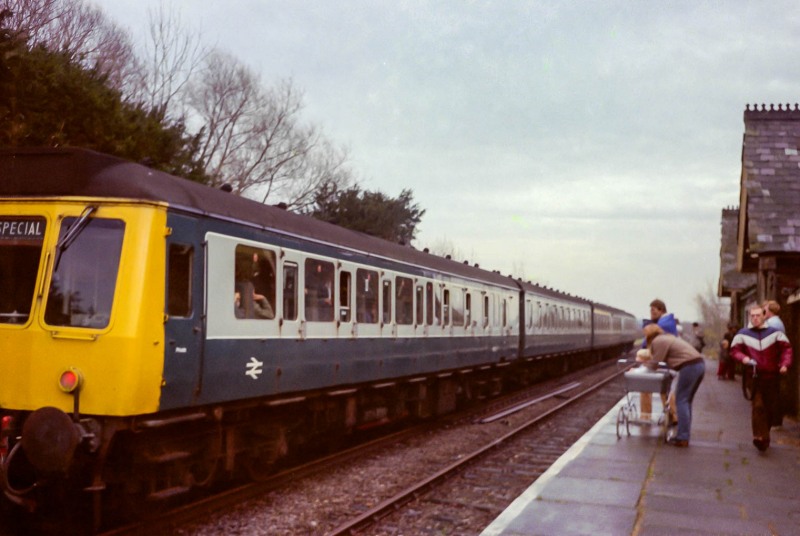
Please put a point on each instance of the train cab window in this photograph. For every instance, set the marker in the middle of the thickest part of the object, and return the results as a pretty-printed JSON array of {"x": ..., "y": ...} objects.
[
  {"x": 319, "y": 290},
  {"x": 21, "y": 240},
  {"x": 290, "y": 287},
  {"x": 366, "y": 296},
  {"x": 345, "y": 309},
  {"x": 254, "y": 286},
  {"x": 404, "y": 301},
  {"x": 429, "y": 303},
  {"x": 386, "y": 305},
  {"x": 179, "y": 280},
  {"x": 82, "y": 287},
  {"x": 420, "y": 309}
]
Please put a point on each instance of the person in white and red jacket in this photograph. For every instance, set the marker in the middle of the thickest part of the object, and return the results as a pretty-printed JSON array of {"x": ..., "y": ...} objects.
[{"x": 771, "y": 352}]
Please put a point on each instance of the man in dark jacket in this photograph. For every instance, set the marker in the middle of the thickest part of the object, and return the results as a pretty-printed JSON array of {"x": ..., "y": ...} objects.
[{"x": 771, "y": 352}]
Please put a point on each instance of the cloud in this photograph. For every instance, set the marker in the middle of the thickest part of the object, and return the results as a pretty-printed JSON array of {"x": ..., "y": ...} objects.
[{"x": 593, "y": 143}]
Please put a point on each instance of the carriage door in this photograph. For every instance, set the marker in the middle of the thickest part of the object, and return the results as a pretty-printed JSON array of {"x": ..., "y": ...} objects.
[
  {"x": 291, "y": 321},
  {"x": 183, "y": 329}
]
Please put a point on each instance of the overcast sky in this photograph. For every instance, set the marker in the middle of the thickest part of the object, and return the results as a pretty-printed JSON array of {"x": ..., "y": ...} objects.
[{"x": 589, "y": 145}]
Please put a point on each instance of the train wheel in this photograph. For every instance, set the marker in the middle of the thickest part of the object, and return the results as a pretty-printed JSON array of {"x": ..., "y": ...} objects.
[
  {"x": 265, "y": 451},
  {"x": 204, "y": 469}
]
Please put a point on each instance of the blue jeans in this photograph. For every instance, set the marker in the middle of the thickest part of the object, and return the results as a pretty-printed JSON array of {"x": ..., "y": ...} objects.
[{"x": 689, "y": 379}]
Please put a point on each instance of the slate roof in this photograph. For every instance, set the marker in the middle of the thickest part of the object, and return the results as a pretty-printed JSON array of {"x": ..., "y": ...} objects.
[
  {"x": 770, "y": 182},
  {"x": 730, "y": 278}
]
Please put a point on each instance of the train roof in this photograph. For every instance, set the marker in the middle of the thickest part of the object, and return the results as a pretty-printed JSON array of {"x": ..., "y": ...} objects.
[{"x": 75, "y": 172}]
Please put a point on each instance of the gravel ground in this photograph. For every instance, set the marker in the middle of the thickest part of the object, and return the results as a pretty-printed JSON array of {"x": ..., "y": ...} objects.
[{"x": 321, "y": 503}]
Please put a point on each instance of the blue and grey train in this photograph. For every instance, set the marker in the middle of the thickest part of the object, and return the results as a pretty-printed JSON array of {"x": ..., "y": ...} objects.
[{"x": 158, "y": 335}]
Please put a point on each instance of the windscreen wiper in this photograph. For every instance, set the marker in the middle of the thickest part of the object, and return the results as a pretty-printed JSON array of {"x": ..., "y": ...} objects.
[{"x": 72, "y": 233}]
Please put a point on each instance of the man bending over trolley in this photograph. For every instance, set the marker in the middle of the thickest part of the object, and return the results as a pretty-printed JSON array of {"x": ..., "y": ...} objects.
[{"x": 678, "y": 355}]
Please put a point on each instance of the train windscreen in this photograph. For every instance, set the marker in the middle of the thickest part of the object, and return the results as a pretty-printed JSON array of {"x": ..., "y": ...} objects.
[
  {"x": 85, "y": 272},
  {"x": 21, "y": 239}
]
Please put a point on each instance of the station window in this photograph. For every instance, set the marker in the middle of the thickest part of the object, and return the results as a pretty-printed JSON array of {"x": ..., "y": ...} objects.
[
  {"x": 254, "y": 287},
  {"x": 344, "y": 296},
  {"x": 290, "y": 287},
  {"x": 404, "y": 301},
  {"x": 366, "y": 296},
  {"x": 319, "y": 290},
  {"x": 179, "y": 280}
]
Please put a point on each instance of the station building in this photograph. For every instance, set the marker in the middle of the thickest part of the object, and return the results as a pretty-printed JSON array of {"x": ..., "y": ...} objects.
[{"x": 760, "y": 250}]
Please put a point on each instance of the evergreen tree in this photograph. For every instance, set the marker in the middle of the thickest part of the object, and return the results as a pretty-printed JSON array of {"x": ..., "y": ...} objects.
[
  {"x": 46, "y": 99},
  {"x": 373, "y": 213}
]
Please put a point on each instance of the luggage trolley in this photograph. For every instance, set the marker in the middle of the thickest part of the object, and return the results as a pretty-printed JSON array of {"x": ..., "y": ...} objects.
[{"x": 648, "y": 380}]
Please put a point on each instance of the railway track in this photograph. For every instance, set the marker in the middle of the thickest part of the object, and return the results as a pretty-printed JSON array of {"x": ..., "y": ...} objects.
[
  {"x": 466, "y": 496},
  {"x": 421, "y": 476}
]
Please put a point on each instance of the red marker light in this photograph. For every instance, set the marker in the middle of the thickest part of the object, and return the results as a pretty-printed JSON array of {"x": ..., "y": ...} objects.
[
  {"x": 70, "y": 380},
  {"x": 5, "y": 431}
]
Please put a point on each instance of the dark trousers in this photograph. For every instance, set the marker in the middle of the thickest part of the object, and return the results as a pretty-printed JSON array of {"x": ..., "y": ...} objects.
[
  {"x": 725, "y": 370},
  {"x": 766, "y": 411}
]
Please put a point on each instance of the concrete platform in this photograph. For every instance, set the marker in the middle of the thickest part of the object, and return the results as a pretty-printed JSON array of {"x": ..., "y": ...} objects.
[{"x": 639, "y": 485}]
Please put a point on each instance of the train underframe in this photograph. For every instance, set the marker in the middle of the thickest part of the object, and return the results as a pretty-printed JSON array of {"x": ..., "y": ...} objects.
[{"x": 120, "y": 466}]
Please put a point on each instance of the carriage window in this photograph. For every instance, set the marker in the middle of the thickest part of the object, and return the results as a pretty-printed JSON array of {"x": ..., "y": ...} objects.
[
  {"x": 404, "y": 301},
  {"x": 290, "y": 291},
  {"x": 366, "y": 296},
  {"x": 254, "y": 286},
  {"x": 420, "y": 306},
  {"x": 485, "y": 311},
  {"x": 505, "y": 316},
  {"x": 20, "y": 250},
  {"x": 446, "y": 307},
  {"x": 319, "y": 291},
  {"x": 344, "y": 296},
  {"x": 429, "y": 303},
  {"x": 179, "y": 280},
  {"x": 457, "y": 307},
  {"x": 82, "y": 288},
  {"x": 386, "y": 310},
  {"x": 468, "y": 310},
  {"x": 529, "y": 313}
]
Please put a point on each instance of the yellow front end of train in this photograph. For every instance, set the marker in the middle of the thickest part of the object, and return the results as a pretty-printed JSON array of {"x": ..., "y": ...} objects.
[{"x": 81, "y": 305}]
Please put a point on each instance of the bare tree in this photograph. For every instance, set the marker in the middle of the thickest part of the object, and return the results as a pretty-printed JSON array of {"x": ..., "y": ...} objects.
[
  {"x": 251, "y": 135},
  {"x": 172, "y": 55},
  {"x": 714, "y": 313},
  {"x": 253, "y": 139},
  {"x": 83, "y": 32}
]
